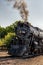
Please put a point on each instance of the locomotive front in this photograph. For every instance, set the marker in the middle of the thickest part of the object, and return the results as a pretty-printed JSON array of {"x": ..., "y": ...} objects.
[{"x": 27, "y": 44}]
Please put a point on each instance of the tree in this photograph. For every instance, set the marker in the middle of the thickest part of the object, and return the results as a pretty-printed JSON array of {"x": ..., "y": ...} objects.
[
  {"x": 12, "y": 27},
  {"x": 6, "y": 41},
  {"x": 2, "y": 32}
]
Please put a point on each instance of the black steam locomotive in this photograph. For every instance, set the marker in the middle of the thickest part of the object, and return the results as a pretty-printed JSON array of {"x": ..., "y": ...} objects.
[{"x": 28, "y": 41}]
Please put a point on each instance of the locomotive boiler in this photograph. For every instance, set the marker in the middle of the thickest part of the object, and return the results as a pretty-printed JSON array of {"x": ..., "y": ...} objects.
[{"x": 28, "y": 41}]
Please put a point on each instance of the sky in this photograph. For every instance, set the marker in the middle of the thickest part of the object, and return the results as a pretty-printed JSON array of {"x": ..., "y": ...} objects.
[{"x": 9, "y": 15}]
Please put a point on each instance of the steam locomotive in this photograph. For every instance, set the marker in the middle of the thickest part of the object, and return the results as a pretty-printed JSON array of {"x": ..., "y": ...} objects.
[{"x": 28, "y": 41}]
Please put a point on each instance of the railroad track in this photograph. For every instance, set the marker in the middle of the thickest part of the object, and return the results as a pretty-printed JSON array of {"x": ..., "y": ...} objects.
[
  {"x": 11, "y": 60},
  {"x": 6, "y": 58}
]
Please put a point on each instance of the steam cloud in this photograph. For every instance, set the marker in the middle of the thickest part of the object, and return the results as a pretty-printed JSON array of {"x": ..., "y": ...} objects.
[{"x": 22, "y": 7}]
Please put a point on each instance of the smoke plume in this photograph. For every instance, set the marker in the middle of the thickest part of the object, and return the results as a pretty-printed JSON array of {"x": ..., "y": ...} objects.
[{"x": 22, "y": 7}]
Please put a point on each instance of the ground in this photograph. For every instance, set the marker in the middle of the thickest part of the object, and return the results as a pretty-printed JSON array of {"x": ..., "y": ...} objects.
[{"x": 18, "y": 61}]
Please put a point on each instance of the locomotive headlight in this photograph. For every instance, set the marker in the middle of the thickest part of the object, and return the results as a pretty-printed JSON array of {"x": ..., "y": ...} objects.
[
  {"x": 22, "y": 31},
  {"x": 36, "y": 43}
]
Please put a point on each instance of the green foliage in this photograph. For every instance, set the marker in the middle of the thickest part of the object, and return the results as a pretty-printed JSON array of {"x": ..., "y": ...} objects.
[
  {"x": 6, "y": 41},
  {"x": 8, "y": 29},
  {"x": 11, "y": 28},
  {"x": 6, "y": 34},
  {"x": 8, "y": 38},
  {"x": 1, "y": 42},
  {"x": 2, "y": 32}
]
